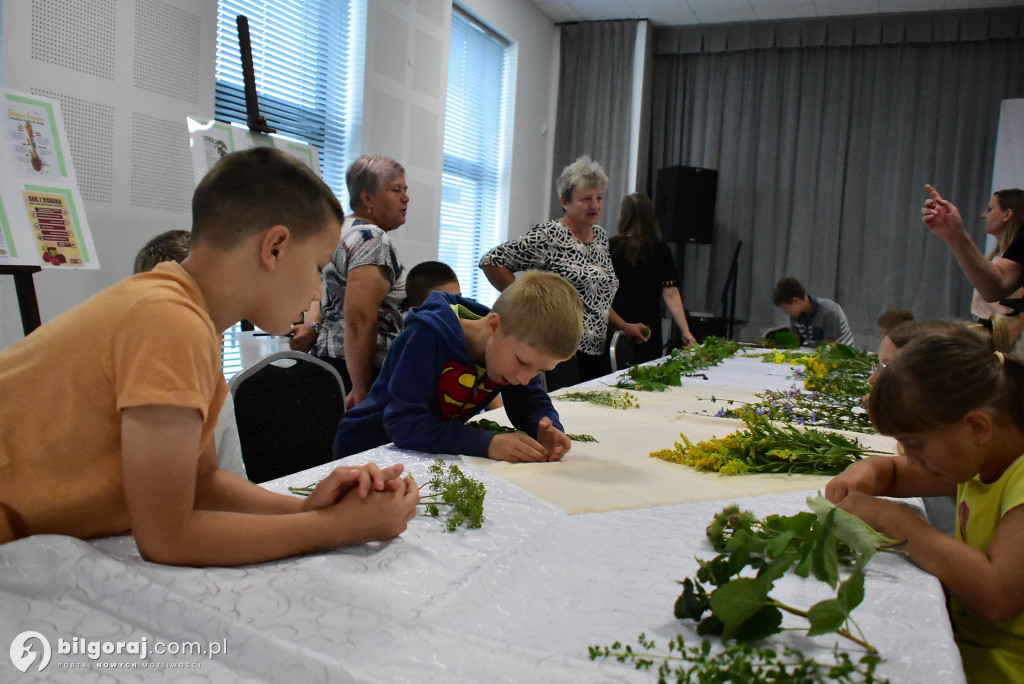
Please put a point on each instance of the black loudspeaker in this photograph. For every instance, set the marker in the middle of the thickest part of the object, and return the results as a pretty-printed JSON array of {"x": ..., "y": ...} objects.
[{"x": 684, "y": 203}]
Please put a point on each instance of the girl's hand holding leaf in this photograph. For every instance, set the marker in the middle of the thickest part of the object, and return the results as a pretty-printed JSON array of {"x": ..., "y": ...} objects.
[
  {"x": 870, "y": 476},
  {"x": 880, "y": 514}
]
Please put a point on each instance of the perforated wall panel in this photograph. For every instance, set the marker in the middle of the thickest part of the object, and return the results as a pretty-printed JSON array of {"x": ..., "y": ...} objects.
[
  {"x": 162, "y": 176},
  {"x": 76, "y": 34},
  {"x": 167, "y": 48},
  {"x": 90, "y": 131}
]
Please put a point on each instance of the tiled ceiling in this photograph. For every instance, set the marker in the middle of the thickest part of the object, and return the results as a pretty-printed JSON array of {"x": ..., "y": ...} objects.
[{"x": 679, "y": 12}]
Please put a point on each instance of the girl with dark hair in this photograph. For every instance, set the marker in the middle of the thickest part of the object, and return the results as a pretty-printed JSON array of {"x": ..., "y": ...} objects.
[
  {"x": 647, "y": 275},
  {"x": 957, "y": 410}
]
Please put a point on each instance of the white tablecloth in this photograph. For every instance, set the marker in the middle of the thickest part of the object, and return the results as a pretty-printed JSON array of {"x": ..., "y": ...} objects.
[{"x": 519, "y": 600}]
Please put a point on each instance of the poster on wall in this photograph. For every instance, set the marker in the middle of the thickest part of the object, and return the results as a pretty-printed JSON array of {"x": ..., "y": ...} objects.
[
  {"x": 212, "y": 140},
  {"x": 42, "y": 222}
]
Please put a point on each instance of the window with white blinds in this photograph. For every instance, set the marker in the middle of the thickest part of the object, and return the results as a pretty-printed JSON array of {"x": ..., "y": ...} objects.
[
  {"x": 475, "y": 179},
  {"x": 308, "y": 63}
]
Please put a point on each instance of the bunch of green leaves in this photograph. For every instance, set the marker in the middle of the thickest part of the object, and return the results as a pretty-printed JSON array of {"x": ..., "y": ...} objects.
[
  {"x": 781, "y": 339},
  {"x": 764, "y": 447},
  {"x": 738, "y": 663},
  {"x": 833, "y": 369},
  {"x": 492, "y": 426},
  {"x": 839, "y": 371},
  {"x": 808, "y": 544},
  {"x": 580, "y": 437},
  {"x": 668, "y": 373},
  {"x": 803, "y": 408},
  {"x": 614, "y": 398},
  {"x": 453, "y": 496}
]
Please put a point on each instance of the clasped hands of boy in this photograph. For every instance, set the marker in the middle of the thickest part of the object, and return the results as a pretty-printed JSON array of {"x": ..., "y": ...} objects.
[{"x": 354, "y": 491}]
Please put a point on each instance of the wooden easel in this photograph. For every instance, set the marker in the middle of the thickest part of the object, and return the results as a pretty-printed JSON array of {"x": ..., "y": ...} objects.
[
  {"x": 26, "y": 290},
  {"x": 256, "y": 121}
]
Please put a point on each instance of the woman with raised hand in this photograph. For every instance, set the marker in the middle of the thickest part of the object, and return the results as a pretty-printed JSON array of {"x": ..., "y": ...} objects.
[{"x": 1002, "y": 219}]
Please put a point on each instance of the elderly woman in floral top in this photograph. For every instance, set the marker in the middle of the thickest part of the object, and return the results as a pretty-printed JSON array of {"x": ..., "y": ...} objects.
[
  {"x": 364, "y": 285},
  {"x": 576, "y": 248}
]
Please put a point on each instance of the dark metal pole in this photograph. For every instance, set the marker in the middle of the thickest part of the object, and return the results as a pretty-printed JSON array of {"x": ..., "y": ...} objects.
[{"x": 256, "y": 121}]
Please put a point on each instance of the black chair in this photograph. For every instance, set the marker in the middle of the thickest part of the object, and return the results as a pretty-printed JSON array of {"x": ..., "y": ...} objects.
[
  {"x": 564, "y": 374},
  {"x": 287, "y": 408},
  {"x": 621, "y": 351}
]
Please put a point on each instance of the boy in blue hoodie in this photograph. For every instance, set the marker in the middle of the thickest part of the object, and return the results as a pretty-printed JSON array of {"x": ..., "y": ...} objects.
[{"x": 454, "y": 356}]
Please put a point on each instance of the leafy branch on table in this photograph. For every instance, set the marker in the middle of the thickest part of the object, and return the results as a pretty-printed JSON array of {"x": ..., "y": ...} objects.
[
  {"x": 764, "y": 447},
  {"x": 741, "y": 610},
  {"x": 668, "y": 373}
]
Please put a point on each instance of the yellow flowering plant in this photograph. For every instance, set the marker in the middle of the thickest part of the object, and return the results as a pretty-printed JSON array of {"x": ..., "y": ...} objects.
[{"x": 764, "y": 447}]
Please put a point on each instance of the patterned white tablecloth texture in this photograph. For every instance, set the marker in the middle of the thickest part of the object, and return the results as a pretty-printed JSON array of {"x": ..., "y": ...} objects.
[{"x": 518, "y": 600}]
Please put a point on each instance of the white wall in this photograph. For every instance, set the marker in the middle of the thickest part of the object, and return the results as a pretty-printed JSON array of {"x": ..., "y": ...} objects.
[
  {"x": 126, "y": 74},
  {"x": 536, "y": 39},
  {"x": 404, "y": 103},
  {"x": 403, "y": 108},
  {"x": 125, "y": 111}
]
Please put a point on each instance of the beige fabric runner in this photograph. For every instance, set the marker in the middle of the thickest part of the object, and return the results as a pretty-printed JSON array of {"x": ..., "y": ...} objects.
[{"x": 618, "y": 473}]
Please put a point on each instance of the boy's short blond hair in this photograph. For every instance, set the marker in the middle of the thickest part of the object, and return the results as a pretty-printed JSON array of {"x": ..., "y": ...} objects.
[{"x": 543, "y": 310}]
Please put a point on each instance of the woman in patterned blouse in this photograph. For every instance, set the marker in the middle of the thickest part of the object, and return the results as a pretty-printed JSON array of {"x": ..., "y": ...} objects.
[
  {"x": 364, "y": 285},
  {"x": 576, "y": 248}
]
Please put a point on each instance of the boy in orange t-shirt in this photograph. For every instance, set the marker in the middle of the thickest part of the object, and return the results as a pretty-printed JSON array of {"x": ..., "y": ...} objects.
[{"x": 109, "y": 411}]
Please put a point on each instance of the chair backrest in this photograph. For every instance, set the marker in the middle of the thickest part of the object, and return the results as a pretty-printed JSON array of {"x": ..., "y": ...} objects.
[
  {"x": 287, "y": 407},
  {"x": 621, "y": 351},
  {"x": 564, "y": 374}
]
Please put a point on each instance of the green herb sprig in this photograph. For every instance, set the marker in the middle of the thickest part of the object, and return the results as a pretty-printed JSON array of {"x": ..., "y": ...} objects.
[
  {"x": 659, "y": 377},
  {"x": 580, "y": 437},
  {"x": 764, "y": 447},
  {"x": 738, "y": 663},
  {"x": 492, "y": 426},
  {"x": 614, "y": 398},
  {"x": 458, "y": 496}
]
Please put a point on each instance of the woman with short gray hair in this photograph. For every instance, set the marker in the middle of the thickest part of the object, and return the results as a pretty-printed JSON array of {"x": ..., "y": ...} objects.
[
  {"x": 576, "y": 248},
  {"x": 364, "y": 284}
]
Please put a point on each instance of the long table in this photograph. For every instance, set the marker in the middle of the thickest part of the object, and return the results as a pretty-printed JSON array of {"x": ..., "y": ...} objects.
[{"x": 519, "y": 600}]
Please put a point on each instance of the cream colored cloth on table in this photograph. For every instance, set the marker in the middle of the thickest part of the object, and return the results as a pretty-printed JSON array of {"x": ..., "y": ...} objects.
[{"x": 618, "y": 472}]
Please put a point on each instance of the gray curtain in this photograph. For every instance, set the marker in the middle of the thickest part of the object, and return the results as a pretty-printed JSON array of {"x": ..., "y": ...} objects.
[
  {"x": 824, "y": 133},
  {"x": 594, "y": 85}
]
